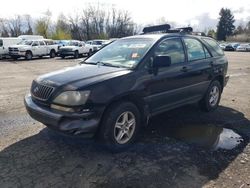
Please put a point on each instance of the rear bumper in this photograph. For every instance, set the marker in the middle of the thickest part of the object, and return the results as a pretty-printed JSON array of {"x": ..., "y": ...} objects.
[{"x": 84, "y": 124}]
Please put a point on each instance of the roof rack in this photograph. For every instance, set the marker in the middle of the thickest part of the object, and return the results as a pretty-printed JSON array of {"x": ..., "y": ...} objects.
[
  {"x": 156, "y": 28},
  {"x": 166, "y": 28}
]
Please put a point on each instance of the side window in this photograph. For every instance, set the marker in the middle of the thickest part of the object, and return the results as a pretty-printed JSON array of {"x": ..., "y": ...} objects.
[
  {"x": 1, "y": 43},
  {"x": 208, "y": 55},
  {"x": 212, "y": 43},
  {"x": 35, "y": 43},
  {"x": 41, "y": 43},
  {"x": 195, "y": 50},
  {"x": 173, "y": 48}
]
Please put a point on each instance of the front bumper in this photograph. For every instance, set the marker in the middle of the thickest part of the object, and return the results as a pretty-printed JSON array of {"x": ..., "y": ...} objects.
[
  {"x": 17, "y": 54},
  {"x": 66, "y": 53},
  {"x": 84, "y": 124},
  {"x": 226, "y": 80}
]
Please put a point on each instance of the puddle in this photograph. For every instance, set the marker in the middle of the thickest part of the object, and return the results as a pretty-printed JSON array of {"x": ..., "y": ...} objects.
[{"x": 209, "y": 136}]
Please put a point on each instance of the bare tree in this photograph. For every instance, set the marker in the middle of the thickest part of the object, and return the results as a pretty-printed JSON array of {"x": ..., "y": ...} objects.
[
  {"x": 4, "y": 28},
  {"x": 75, "y": 28},
  {"x": 15, "y": 26},
  {"x": 28, "y": 25}
]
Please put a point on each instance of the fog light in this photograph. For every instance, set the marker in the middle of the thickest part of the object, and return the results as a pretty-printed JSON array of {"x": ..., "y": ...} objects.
[{"x": 61, "y": 108}]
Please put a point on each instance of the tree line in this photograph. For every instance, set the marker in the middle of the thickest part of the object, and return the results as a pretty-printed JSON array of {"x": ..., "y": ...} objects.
[
  {"x": 95, "y": 22},
  {"x": 92, "y": 23}
]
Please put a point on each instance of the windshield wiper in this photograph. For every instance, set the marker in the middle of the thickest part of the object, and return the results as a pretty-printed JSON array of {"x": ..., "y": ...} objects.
[
  {"x": 110, "y": 65},
  {"x": 91, "y": 63},
  {"x": 100, "y": 63}
]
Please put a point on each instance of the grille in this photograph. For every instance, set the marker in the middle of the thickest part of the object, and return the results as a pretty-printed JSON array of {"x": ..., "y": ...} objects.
[
  {"x": 13, "y": 49},
  {"x": 40, "y": 91},
  {"x": 65, "y": 49}
]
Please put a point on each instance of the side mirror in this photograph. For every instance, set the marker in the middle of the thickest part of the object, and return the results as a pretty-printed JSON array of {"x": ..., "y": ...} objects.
[{"x": 161, "y": 61}]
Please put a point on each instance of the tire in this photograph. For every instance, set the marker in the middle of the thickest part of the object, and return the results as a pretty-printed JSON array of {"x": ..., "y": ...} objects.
[
  {"x": 90, "y": 53},
  {"x": 120, "y": 126},
  {"x": 52, "y": 54},
  {"x": 76, "y": 55},
  {"x": 211, "y": 100},
  {"x": 28, "y": 55}
]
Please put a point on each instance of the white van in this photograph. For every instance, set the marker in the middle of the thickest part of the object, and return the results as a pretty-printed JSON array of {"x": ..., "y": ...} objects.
[
  {"x": 31, "y": 37},
  {"x": 5, "y": 43}
]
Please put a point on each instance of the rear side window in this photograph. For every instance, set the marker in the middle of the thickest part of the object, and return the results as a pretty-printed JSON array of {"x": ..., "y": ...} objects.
[
  {"x": 1, "y": 43},
  {"x": 195, "y": 50},
  {"x": 213, "y": 44},
  {"x": 173, "y": 48}
]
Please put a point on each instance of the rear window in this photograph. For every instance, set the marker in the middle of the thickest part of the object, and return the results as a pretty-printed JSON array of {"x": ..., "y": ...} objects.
[
  {"x": 213, "y": 44},
  {"x": 1, "y": 43}
]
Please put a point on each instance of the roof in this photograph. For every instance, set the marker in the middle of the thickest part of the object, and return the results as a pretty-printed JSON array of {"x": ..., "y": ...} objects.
[{"x": 160, "y": 35}]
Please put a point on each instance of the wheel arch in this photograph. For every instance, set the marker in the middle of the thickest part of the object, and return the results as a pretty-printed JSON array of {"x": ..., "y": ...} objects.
[
  {"x": 133, "y": 98},
  {"x": 220, "y": 78}
]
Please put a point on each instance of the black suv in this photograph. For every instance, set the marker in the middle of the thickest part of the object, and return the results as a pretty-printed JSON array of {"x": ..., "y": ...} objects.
[{"x": 115, "y": 91}]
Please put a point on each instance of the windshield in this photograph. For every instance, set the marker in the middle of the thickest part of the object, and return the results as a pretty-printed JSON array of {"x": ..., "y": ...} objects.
[
  {"x": 123, "y": 53},
  {"x": 25, "y": 42},
  {"x": 72, "y": 44}
]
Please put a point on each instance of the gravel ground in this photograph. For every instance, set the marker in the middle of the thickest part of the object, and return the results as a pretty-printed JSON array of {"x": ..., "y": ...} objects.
[{"x": 181, "y": 148}]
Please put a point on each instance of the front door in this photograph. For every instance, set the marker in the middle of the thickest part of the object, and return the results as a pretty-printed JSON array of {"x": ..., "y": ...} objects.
[{"x": 167, "y": 86}]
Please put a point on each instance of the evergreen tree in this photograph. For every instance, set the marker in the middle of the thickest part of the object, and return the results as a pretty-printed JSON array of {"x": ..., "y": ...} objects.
[{"x": 225, "y": 26}]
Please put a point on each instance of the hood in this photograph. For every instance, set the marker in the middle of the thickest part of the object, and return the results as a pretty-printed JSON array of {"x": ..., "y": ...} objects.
[
  {"x": 80, "y": 76},
  {"x": 20, "y": 46}
]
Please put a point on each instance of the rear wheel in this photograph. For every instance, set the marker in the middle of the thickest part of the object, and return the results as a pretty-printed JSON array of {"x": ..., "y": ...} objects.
[
  {"x": 28, "y": 55},
  {"x": 211, "y": 99},
  {"x": 120, "y": 126}
]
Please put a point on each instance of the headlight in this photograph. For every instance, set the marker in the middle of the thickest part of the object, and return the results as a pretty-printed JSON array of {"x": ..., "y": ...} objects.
[{"x": 72, "y": 98}]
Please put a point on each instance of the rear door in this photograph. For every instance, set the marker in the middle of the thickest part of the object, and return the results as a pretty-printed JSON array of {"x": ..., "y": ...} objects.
[{"x": 199, "y": 67}]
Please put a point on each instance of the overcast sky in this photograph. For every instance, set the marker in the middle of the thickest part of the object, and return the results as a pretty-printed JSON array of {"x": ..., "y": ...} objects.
[{"x": 199, "y": 13}]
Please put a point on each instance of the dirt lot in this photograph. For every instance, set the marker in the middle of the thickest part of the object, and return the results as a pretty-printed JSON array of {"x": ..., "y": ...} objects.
[{"x": 181, "y": 148}]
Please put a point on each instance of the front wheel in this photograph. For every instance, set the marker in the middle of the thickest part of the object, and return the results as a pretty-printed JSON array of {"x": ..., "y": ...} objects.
[
  {"x": 28, "y": 55},
  {"x": 76, "y": 55},
  {"x": 211, "y": 99},
  {"x": 120, "y": 126},
  {"x": 52, "y": 54},
  {"x": 90, "y": 52}
]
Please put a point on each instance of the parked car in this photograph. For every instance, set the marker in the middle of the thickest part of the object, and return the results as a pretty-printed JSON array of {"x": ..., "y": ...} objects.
[
  {"x": 223, "y": 46},
  {"x": 243, "y": 48},
  {"x": 31, "y": 37},
  {"x": 5, "y": 43},
  {"x": 114, "y": 92},
  {"x": 61, "y": 43},
  {"x": 32, "y": 48},
  {"x": 74, "y": 48},
  {"x": 97, "y": 44},
  {"x": 231, "y": 47}
]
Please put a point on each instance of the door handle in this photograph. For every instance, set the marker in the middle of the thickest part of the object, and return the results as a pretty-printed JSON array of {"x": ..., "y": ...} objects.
[{"x": 185, "y": 69}]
